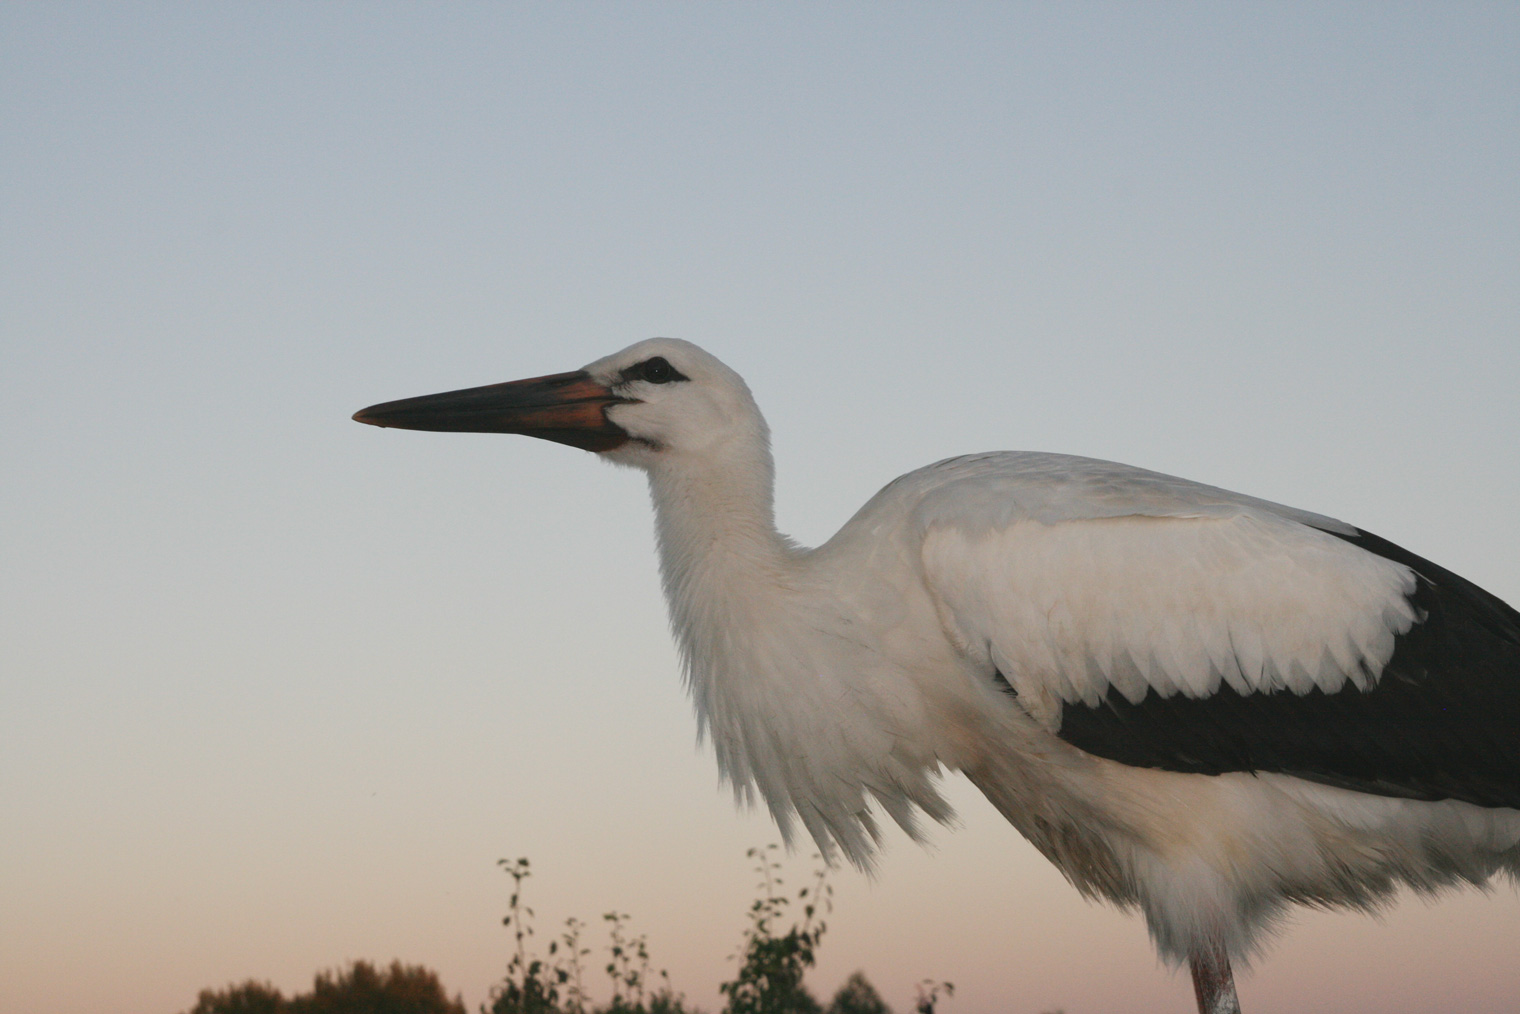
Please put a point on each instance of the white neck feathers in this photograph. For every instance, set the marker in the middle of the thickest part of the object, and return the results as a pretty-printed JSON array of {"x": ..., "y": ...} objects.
[{"x": 773, "y": 683}]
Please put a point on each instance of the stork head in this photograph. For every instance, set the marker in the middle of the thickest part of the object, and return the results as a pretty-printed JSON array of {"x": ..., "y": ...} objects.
[{"x": 653, "y": 403}]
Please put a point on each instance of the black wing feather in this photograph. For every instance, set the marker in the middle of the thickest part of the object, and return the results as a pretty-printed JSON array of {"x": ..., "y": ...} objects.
[{"x": 1442, "y": 721}]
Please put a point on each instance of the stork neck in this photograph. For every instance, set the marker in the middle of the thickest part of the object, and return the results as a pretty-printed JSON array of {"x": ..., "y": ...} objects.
[{"x": 717, "y": 518}]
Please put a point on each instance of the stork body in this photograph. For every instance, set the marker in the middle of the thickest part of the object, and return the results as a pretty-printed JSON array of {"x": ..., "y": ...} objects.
[{"x": 1193, "y": 702}]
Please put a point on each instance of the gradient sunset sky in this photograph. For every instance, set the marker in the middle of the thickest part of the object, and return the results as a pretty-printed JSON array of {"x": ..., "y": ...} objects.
[{"x": 277, "y": 690}]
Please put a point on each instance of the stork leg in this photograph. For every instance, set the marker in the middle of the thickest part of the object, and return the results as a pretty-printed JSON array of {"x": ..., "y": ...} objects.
[{"x": 1213, "y": 982}]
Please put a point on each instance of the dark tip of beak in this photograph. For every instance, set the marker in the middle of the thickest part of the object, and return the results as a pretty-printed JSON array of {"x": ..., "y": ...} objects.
[{"x": 568, "y": 408}]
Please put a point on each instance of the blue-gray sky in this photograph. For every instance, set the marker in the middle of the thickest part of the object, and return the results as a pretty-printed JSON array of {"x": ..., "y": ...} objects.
[{"x": 278, "y": 689}]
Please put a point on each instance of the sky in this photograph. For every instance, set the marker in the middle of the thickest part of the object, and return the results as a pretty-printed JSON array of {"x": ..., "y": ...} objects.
[{"x": 278, "y": 690}]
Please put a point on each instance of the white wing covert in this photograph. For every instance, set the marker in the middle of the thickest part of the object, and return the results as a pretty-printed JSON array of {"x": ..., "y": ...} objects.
[{"x": 1080, "y": 581}]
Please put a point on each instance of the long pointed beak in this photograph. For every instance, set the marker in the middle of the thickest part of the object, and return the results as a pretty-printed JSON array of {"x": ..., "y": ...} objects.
[{"x": 568, "y": 408}]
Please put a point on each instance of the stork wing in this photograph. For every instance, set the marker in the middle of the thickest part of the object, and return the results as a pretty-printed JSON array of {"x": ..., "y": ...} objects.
[{"x": 1165, "y": 624}]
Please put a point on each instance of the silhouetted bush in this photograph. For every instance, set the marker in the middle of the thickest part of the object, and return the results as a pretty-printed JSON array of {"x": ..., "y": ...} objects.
[
  {"x": 771, "y": 970},
  {"x": 929, "y": 993},
  {"x": 769, "y": 979},
  {"x": 553, "y": 985},
  {"x": 360, "y": 989},
  {"x": 400, "y": 989},
  {"x": 858, "y": 996},
  {"x": 249, "y": 998}
]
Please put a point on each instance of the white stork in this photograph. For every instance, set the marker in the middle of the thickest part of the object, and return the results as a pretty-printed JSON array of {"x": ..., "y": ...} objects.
[{"x": 1195, "y": 703}]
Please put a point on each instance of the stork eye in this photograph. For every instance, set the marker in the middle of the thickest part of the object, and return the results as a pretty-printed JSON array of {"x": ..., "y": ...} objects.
[{"x": 656, "y": 371}]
